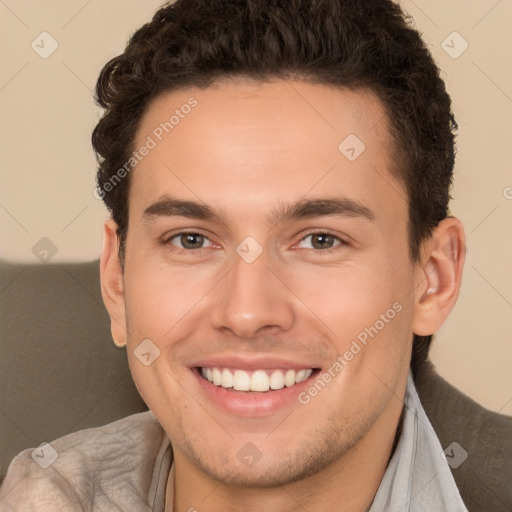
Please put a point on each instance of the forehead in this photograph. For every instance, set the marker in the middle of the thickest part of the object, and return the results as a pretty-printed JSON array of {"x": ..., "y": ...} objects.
[{"x": 247, "y": 144}]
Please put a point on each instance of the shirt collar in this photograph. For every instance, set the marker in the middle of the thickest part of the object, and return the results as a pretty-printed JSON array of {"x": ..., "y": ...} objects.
[{"x": 418, "y": 477}]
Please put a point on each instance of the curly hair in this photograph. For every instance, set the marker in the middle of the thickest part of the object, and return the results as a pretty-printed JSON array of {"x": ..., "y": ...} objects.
[{"x": 355, "y": 44}]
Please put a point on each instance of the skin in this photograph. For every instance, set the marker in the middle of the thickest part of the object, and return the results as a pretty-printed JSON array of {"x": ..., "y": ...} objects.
[{"x": 244, "y": 151}]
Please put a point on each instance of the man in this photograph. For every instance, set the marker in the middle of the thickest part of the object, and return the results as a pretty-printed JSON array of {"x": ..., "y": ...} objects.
[{"x": 279, "y": 254}]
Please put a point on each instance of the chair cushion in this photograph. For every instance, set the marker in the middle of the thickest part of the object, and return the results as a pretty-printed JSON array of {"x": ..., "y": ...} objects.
[{"x": 59, "y": 368}]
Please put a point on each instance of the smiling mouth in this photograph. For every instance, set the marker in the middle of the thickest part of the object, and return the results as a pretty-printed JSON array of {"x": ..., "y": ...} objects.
[{"x": 257, "y": 380}]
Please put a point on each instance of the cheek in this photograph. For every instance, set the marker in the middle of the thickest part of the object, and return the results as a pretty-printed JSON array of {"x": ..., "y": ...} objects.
[
  {"x": 159, "y": 298},
  {"x": 164, "y": 306},
  {"x": 366, "y": 308},
  {"x": 345, "y": 297}
]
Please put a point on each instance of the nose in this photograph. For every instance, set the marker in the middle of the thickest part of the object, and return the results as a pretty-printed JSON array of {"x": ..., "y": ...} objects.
[{"x": 253, "y": 301}]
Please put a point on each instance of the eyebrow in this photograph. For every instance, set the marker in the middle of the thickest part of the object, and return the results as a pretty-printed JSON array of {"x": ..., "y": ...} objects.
[{"x": 167, "y": 206}]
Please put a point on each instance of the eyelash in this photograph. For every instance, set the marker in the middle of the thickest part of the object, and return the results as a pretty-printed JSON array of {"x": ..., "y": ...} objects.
[{"x": 343, "y": 243}]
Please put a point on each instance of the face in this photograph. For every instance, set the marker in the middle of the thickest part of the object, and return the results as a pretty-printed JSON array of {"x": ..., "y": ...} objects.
[{"x": 267, "y": 250}]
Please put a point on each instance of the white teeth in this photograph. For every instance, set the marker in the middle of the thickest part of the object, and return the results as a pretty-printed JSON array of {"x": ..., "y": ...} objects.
[
  {"x": 289, "y": 378},
  {"x": 277, "y": 380},
  {"x": 258, "y": 380},
  {"x": 227, "y": 379},
  {"x": 217, "y": 376},
  {"x": 302, "y": 375},
  {"x": 241, "y": 381}
]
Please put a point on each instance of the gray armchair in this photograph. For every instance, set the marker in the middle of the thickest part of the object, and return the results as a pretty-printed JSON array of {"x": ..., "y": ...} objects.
[{"x": 59, "y": 368}]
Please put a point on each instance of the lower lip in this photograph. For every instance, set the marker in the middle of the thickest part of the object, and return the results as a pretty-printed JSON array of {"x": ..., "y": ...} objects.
[{"x": 250, "y": 404}]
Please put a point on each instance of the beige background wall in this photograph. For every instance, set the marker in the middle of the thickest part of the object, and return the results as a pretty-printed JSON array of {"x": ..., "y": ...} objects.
[{"x": 47, "y": 165}]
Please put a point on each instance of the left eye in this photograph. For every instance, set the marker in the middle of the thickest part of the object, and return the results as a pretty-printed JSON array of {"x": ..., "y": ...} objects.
[
  {"x": 320, "y": 241},
  {"x": 190, "y": 241}
]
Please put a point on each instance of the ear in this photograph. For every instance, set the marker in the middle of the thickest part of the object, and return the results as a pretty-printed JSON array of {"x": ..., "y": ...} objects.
[
  {"x": 112, "y": 286},
  {"x": 439, "y": 276}
]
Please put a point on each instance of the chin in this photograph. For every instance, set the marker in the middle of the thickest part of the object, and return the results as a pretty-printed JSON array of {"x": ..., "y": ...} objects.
[{"x": 272, "y": 467}]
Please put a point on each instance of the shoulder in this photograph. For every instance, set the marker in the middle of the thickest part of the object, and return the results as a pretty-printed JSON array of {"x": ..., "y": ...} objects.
[
  {"x": 479, "y": 439},
  {"x": 70, "y": 472}
]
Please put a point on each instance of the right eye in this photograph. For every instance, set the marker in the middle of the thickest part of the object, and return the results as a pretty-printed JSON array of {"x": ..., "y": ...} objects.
[{"x": 189, "y": 241}]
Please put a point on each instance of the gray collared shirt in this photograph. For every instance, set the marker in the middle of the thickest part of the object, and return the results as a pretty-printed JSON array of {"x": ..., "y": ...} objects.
[
  {"x": 125, "y": 466},
  {"x": 418, "y": 477}
]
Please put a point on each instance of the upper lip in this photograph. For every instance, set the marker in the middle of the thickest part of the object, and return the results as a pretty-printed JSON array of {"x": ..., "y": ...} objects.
[{"x": 254, "y": 363}]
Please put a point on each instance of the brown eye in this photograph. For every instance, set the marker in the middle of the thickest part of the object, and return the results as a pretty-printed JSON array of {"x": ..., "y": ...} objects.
[
  {"x": 320, "y": 241},
  {"x": 190, "y": 241}
]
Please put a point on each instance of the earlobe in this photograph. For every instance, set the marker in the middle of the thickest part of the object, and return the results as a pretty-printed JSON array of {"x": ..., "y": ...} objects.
[
  {"x": 439, "y": 276},
  {"x": 112, "y": 286}
]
